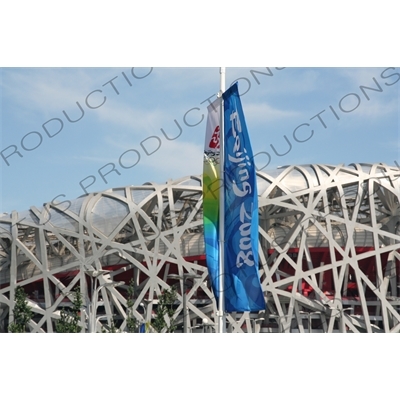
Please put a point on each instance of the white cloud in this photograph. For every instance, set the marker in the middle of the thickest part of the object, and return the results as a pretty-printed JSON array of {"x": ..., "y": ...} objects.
[
  {"x": 298, "y": 80},
  {"x": 142, "y": 121},
  {"x": 154, "y": 159},
  {"x": 175, "y": 159},
  {"x": 47, "y": 89},
  {"x": 360, "y": 76},
  {"x": 172, "y": 160},
  {"x": 263, "y": 112},
  {"x": 377, "y": 108}
]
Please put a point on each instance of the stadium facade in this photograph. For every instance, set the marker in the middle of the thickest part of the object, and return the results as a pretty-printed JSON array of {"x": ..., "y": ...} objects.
[{"x": 329, "y": 240}]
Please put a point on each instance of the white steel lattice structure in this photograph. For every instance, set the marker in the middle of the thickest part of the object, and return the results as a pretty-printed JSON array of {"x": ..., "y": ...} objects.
[{"x": 329, "y": 253}]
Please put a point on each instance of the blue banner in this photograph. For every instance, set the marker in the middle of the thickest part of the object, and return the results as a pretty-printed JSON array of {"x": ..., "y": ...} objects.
[{"x": 243, "y": 290}]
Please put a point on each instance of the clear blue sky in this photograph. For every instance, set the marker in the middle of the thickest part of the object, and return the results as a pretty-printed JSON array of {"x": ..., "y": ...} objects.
[{"x": 130, "y": 110}]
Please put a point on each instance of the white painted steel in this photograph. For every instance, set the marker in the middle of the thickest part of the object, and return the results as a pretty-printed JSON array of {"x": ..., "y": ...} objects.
[{"x": 148, "y": 229}]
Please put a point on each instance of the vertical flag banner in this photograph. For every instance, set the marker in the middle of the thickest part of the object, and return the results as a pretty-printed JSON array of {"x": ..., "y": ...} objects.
[
  {"x": 243, "y": 290},
  {"x": 211, "y": 185}
]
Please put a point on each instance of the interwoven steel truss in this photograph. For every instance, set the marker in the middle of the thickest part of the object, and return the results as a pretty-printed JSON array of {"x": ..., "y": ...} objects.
[{"x": 329, "y": 253}]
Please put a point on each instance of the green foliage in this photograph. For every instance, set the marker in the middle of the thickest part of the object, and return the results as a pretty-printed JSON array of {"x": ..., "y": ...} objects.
[
  {"x": 165, "y": 309},
  {"x": 22, "y": 312},
  {"x": 111, "y": 329},
  {"x": 132, "y": 323},
  {"x": 69, "y": 321}
]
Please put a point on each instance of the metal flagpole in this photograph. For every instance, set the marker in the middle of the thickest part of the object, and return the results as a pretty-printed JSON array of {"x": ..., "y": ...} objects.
[{"x": 221, "y": 303}]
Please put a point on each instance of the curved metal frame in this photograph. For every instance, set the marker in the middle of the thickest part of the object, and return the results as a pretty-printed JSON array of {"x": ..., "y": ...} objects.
[{"x": 329, "y": 256}]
